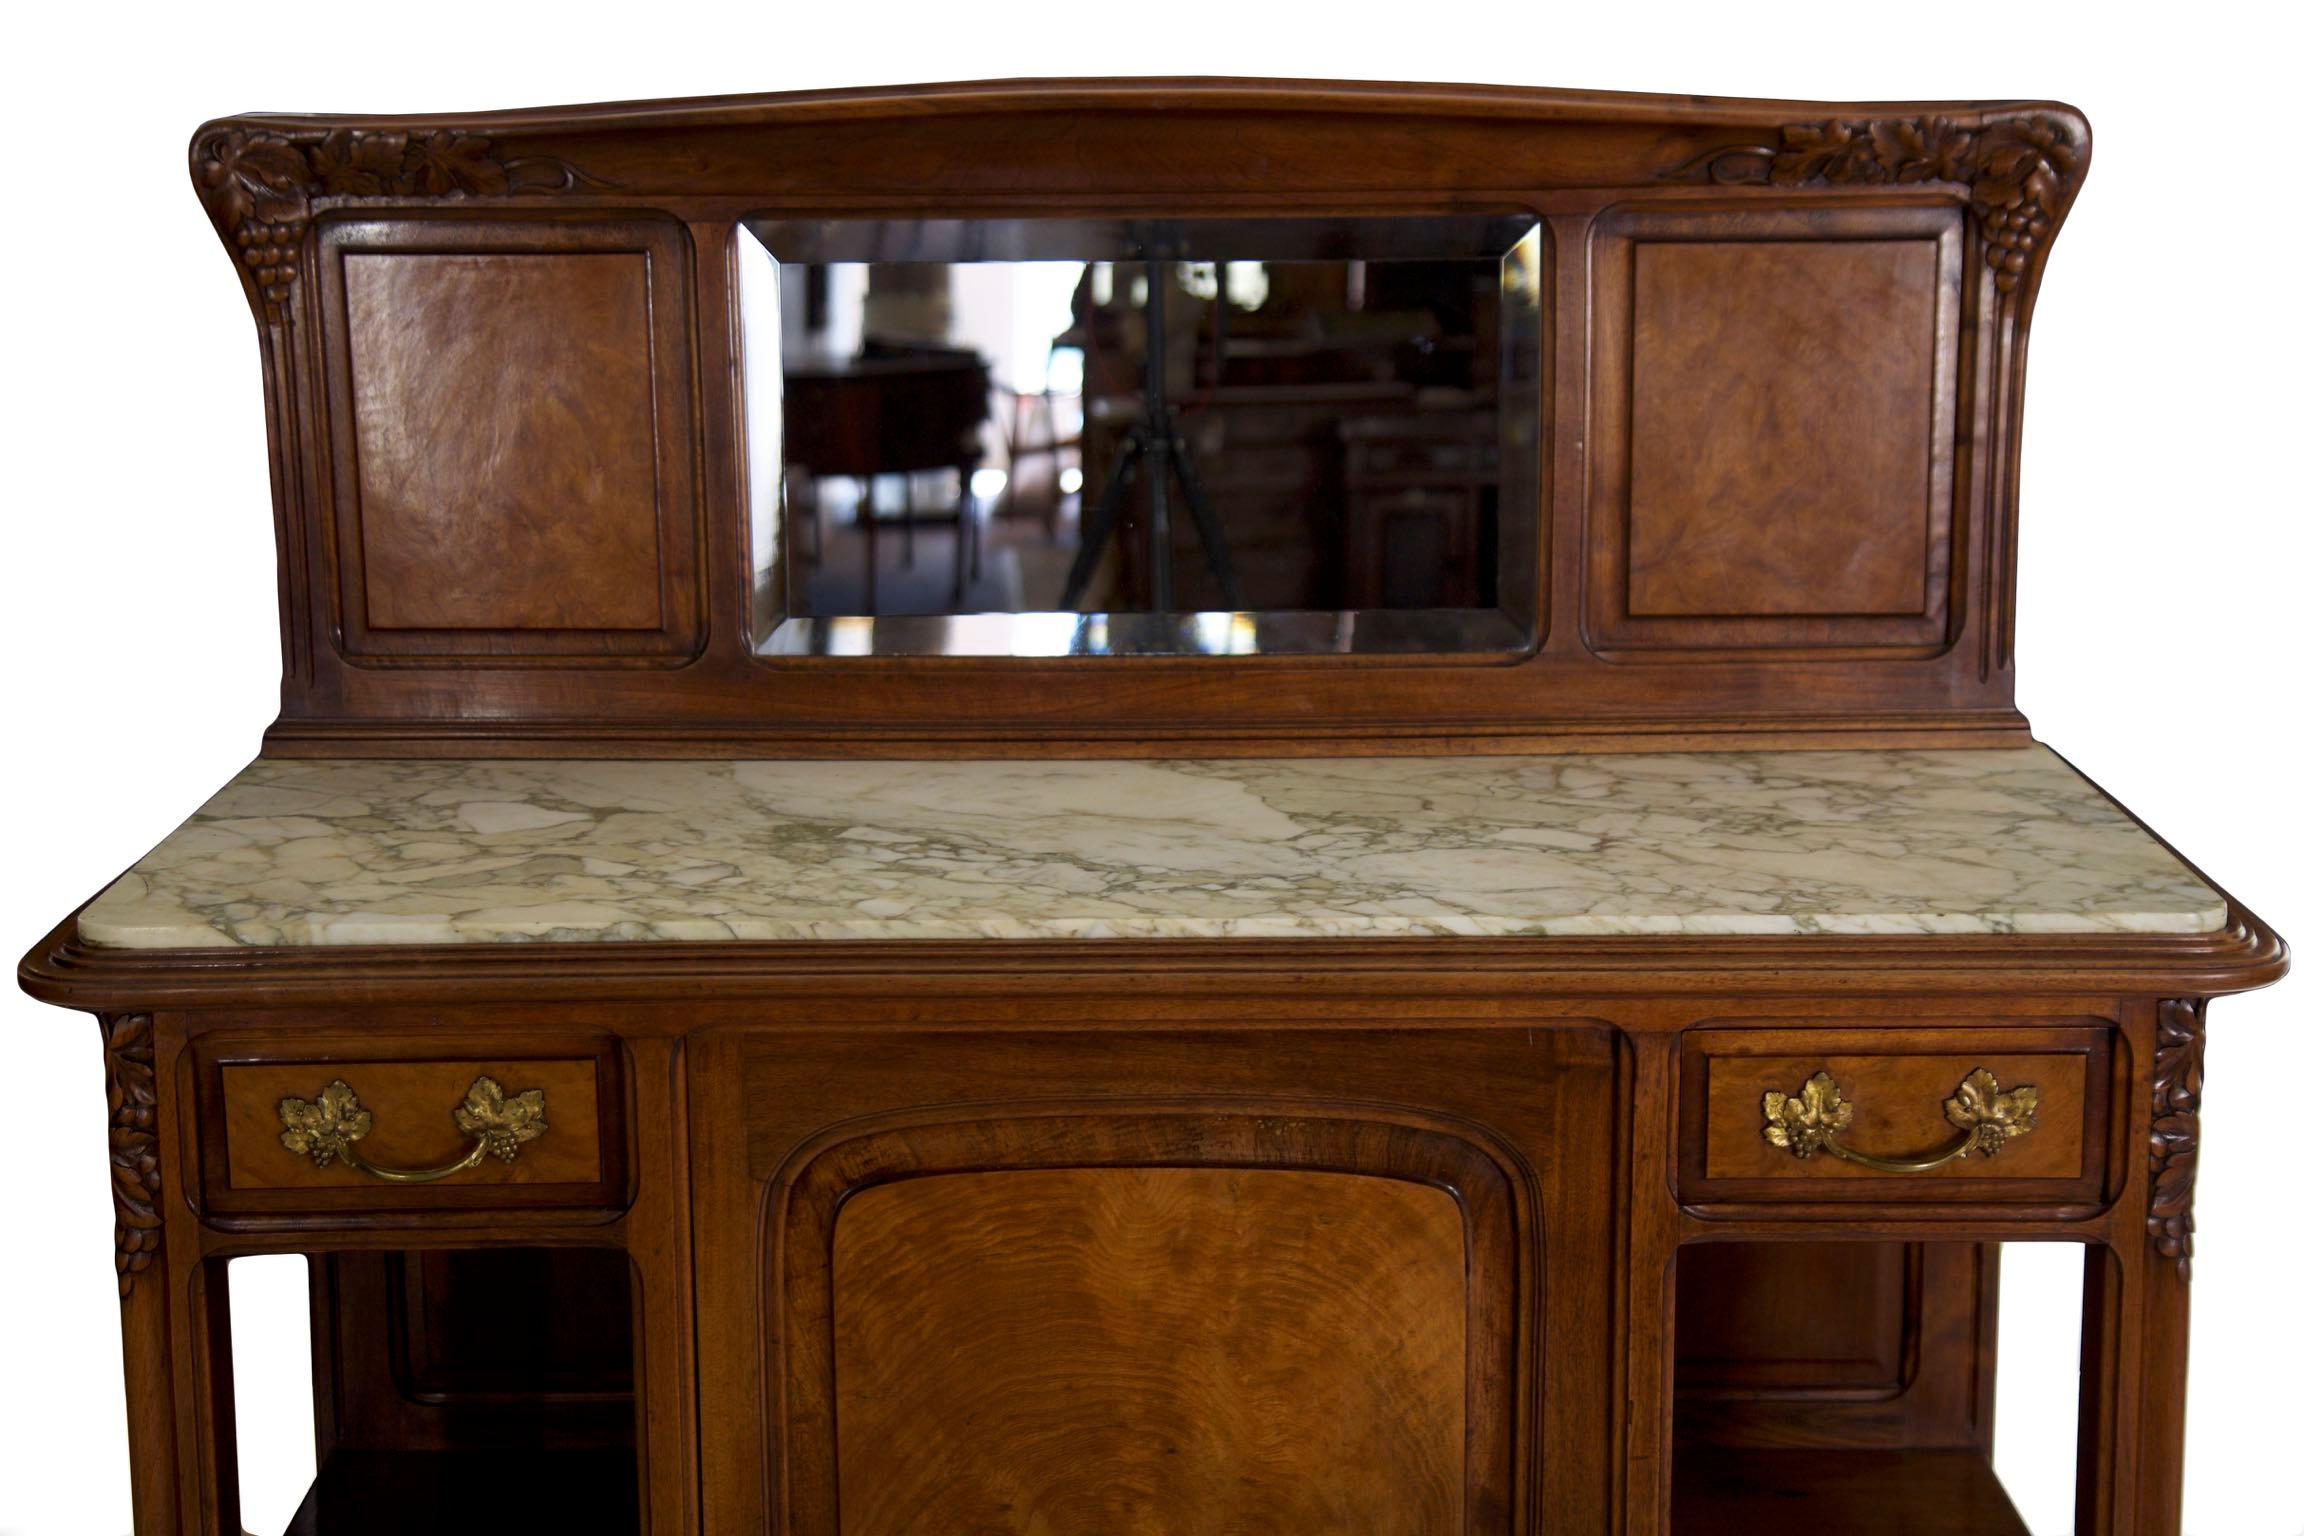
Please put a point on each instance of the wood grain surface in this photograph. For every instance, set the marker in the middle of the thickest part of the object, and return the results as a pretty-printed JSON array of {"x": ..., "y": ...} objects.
[
  {"x": 1150, "y": 1352},
  {"x": 513, "y": 441},
  {"x": 1781, "y": 427},
  {"x": 507, "y": 440}
]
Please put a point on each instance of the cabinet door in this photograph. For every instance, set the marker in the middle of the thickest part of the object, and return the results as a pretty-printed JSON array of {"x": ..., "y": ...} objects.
[{"x": 1155, "y": 1283}]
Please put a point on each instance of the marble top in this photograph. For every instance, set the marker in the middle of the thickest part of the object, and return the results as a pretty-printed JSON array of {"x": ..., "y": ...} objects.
[{"x": 438, "y": 852}]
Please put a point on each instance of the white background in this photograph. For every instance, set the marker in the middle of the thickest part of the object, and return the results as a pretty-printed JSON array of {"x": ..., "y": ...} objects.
[{"x": 2161, "y": 543}]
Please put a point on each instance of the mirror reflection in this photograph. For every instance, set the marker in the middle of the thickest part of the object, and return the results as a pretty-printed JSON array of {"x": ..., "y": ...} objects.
[{"x": 1039, "y": 437}]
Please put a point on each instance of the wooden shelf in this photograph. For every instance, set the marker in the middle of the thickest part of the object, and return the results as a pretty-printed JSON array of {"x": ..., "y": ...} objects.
[
  {"x": 390, "y": 1493},
  {"x": 1843, "y": 1493}
]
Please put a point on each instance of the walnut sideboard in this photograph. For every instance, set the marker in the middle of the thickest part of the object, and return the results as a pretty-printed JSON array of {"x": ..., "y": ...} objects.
[{"x": 1358, "y": 857}]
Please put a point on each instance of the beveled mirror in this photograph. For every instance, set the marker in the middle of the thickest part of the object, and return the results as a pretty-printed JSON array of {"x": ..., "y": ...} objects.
[{"x": 1206, "y": 436}]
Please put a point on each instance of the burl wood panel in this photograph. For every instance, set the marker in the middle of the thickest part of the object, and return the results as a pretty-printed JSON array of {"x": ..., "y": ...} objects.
[
  {"x": 412, "y": 1103},
  {"x": 514, "y": 434},
  {"x": 1780, "y": 427},
  {"x": 1142, "y": 1350},
  {"x": 1773, "y": 445},
  {"x": 1898, "y": 1082},
  {"x": 1518, "y": 1123},
  {"x": 507, "y": 440}
]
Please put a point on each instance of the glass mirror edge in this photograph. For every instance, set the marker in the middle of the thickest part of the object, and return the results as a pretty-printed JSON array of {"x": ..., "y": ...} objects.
[{"x": 1351, "y": 632}]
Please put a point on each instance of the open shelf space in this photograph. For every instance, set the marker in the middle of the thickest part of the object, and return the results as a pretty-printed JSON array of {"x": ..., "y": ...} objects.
[
  {"x": 390, "y": 1493},
  {"x": 1845, "y": 1493},
  {"x": 449, "y": 1386}
]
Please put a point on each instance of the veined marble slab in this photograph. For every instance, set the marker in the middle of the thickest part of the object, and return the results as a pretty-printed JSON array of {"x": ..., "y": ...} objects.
[{"x": 361, "y": 852}]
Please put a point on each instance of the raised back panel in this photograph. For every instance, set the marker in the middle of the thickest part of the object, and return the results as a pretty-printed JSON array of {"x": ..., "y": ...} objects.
[
  {"x": 1150, "y": 1349},
  {"x": 515, "y": 447},
  {"x": 1773, "y": 446},
  {"x": 1776, "y": 353}
]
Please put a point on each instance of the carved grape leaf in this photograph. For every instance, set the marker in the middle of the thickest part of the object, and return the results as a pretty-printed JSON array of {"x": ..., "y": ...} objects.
[
  {"x": 447, "y": 163},
  {"x": 354, "y": 164},
  {"x": 1822, "y": 152},
  {"x": 256, "y": 176},
  {"x": 1931, "y": 149},
  {"x": 260, "y": 184},
  {"x": 2019, "y": 171}
]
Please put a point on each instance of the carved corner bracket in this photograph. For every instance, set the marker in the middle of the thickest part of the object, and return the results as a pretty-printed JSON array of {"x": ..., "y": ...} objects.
[
  {"x": 2019, "y": 171},
  {"x": 2179, "y": 1047},
  {"x": 259, "y": 185},
  {"x": 131, "y": 1095}
]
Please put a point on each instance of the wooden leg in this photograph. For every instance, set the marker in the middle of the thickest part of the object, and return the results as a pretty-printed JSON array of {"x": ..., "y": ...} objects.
[
  {"x": 2134, "y": 1353},
  {"x": 2137, "y": 1342},
  {"x": 1653, "y": 1238},
  {"x": 132, "y": 1098},
  {"x": 2164, "y": 1339},
  {"x": 152, "y": 1471}
]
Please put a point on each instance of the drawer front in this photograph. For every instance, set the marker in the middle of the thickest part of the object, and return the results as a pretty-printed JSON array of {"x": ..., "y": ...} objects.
[
  {"x": 304, "y": 1127},
  {"x": 1910, "y": 1115}
]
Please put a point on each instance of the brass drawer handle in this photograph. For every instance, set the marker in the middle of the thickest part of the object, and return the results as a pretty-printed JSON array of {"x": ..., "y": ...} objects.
[
  {"x": 329, "y": 1127},
  {"x": 1814, "y": 1120}
]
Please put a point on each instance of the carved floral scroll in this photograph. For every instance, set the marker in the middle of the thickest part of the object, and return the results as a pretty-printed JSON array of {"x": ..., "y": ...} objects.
[
  {"x": 2179, "y": 1046},
  {"x": 259, "y": 185},
  {"x": 130, "y": 1094},
  {"x": 2019, "y": 172}
]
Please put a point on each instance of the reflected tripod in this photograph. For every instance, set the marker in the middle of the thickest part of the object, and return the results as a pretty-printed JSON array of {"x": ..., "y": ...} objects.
[{"x": 1155, "y": 442}]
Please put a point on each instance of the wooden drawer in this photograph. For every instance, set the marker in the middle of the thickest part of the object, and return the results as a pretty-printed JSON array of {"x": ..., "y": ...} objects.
[
  {"x": 539, "y": 1126},
  {"x": 1905, "y": 1114}
]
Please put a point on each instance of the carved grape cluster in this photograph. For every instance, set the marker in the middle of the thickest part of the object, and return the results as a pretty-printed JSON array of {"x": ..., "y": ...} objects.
[
  {"x": 259, "y": 185},
  {"x": 2178, "y": 1056},
  {"x": 2018, "y": 171},
  {"x": 2023, "y": 169},
  {"x": 133, "y": 1099},
  {"x": 269, "y": 253}
]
